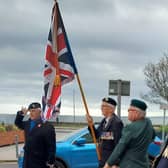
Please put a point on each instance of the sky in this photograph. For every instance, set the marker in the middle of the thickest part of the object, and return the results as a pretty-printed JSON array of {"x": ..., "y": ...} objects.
[{"x": 110, "y": 40}]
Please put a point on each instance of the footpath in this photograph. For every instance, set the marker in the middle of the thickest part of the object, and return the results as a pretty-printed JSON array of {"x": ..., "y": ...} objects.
[{"x": 8, "y": 153}]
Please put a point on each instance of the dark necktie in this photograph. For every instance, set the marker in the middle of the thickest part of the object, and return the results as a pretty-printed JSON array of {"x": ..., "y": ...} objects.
[{"x": 104, "y": 124}]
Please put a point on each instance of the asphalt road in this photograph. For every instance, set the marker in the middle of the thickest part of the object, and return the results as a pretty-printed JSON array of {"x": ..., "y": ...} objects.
[{"x": 8, "y": 165}]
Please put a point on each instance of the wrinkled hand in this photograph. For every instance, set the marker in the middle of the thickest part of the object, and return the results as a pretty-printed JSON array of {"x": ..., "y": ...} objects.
[
  {"x": 50, "y": 165},
  {"x": 89, "y": 118},
  {"x": 107, "y": 166}
]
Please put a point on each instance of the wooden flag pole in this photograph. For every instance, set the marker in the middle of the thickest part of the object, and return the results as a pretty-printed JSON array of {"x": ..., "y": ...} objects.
[{"x": 87, "y": 111}]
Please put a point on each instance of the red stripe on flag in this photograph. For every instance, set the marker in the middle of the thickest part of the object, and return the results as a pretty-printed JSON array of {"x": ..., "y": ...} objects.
[
  {"x": 66, "y": 73},
  {"x": 49, "y": 111},
  {"x": 55, "y": 94},
  {"x": 50, "y": 56},
  {"x": 61, "y": 42},
  {"x": 48, "y": 71}
]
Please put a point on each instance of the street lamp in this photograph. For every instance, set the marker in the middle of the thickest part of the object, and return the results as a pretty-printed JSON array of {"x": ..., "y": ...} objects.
[{"x": 119, "y": 88}]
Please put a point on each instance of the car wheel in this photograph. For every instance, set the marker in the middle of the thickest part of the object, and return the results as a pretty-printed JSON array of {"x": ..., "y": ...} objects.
[{"x": 59, "y": 164}]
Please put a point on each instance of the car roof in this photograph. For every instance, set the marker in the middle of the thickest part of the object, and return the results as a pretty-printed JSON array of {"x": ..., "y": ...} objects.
[{"x": 76, "y": 134}]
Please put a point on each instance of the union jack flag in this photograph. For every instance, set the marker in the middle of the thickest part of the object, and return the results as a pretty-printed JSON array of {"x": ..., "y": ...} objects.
[{"x": 59, "y": 65}]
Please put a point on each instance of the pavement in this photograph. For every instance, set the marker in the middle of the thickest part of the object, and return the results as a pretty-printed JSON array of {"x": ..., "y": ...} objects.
[{"x": 8, "y": 153}]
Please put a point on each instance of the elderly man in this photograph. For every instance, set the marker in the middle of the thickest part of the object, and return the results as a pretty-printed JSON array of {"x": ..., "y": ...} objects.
[
  {"x": 39, "y": 149},
  {"x": 109, "y": 130},
  {"x": 131, "y": 151}
]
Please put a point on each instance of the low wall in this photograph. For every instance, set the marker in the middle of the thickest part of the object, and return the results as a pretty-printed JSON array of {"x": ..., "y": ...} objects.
[{"x": 9, "y": 137}]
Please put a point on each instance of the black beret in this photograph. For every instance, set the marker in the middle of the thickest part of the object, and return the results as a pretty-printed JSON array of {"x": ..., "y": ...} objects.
[
  {"x": 139, "y": 104},
  {"x": 34, "y": 105},
  {"x": 109, "y": 101}
]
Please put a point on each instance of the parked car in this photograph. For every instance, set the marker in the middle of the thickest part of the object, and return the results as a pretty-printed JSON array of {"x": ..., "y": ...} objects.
[
  {"x": 154, "y": 148},
  {"x": 77, "y": 150}
]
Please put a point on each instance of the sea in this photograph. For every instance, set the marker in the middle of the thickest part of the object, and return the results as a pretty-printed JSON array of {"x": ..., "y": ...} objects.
[{"x": 156, "y": 120}]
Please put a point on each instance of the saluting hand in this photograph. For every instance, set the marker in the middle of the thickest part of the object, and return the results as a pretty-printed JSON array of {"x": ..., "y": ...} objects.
[{"x": 24, "y": 110}]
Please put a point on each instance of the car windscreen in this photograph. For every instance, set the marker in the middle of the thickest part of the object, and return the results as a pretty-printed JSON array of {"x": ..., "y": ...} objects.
[{"x": 65, "y": 134}]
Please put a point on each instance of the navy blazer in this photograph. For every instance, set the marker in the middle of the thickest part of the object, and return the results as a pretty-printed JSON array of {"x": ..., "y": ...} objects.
[{"x": 108, "y": 136}]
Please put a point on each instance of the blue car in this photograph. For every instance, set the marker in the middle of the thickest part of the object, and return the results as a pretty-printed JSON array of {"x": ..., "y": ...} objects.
[
  {"x": 77, "y": 150},
  {"x": 154, "y": 148}
]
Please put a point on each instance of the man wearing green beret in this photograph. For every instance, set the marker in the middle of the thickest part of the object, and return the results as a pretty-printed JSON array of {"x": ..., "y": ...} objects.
[{"x": 131, "y": 151}]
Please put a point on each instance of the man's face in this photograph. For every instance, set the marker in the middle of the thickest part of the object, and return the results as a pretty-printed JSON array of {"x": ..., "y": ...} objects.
[
  {"x": 107, "y": 109},
  {"x": 132, "y": 113},
  {"x": 35, "y": 113}
]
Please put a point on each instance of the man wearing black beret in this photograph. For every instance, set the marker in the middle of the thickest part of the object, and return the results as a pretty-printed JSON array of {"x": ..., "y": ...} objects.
[
  {"x": 109, "y": 130},
  {"x": 40, "y": 141},
  {"x": 131, "y": 151}
]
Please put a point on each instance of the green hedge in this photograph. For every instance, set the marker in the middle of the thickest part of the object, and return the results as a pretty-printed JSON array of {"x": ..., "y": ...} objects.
[{"x": 7, "y": 127}]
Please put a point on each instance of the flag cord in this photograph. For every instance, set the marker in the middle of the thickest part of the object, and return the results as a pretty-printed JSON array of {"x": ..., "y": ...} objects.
[{"x": 87, "y": 111}]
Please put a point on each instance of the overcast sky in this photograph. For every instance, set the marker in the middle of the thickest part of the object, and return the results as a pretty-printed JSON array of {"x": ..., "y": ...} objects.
[{"x": 110, "y": 40}]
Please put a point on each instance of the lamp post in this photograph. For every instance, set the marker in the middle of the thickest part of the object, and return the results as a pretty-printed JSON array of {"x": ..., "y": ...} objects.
[
  {"x": 163, "y": 107},
  {"x": 119, "y": 88}
]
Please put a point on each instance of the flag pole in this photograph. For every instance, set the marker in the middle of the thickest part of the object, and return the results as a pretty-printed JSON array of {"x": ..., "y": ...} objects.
[{"x": 87, "y": 112}]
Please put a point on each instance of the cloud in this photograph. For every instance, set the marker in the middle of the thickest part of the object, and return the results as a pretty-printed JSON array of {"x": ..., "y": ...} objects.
[{"x": 109, "y": 40}]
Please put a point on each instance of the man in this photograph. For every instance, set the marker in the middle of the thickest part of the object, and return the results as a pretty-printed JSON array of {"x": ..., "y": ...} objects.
[
  {"x": 161, "y": 161},
  {"x": 109, "y": 130},
  {"x": 131, "y": 151},
  {"x": 39, "y": 149}
]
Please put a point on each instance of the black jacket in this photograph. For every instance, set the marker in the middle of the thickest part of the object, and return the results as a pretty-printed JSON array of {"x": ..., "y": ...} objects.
[
  {"x": 108, "y": 136},
  {"x": 40, "y": 143}
]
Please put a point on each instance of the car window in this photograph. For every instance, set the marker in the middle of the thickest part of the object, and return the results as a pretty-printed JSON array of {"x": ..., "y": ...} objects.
[{"x": 88, "y": 138}]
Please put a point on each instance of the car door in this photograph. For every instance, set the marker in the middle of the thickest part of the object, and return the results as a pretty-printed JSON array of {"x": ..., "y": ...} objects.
[{"x": 84, "y": 155}]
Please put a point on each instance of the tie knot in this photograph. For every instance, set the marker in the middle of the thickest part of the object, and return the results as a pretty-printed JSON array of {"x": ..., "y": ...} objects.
[{"x": 105, "y": 123}]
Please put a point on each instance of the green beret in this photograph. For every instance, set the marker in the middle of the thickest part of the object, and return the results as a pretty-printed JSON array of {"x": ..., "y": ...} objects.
[{"x": 139, "y": 104}]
